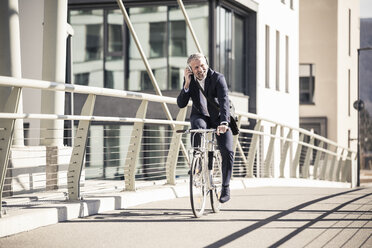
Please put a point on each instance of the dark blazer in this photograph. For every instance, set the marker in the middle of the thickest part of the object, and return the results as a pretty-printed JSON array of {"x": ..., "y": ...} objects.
[{"x": 215, "y": 88}]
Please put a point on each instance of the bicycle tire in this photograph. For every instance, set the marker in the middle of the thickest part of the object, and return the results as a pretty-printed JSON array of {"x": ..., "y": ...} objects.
[
  {"x": 198, "y": 191},
  {"x": 217, "y": 182}
]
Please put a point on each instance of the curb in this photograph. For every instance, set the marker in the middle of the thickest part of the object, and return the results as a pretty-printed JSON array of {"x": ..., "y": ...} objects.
[{"x": 42, "y": 215}]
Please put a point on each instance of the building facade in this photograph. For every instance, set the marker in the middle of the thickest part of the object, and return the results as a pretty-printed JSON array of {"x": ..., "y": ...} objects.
[{"x": 329, "y": 39}]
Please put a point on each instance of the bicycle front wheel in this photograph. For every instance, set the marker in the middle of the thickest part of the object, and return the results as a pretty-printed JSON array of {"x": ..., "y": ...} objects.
[
  {"x": 216, "y": 182},
  {"x": 198, "y": 190}
]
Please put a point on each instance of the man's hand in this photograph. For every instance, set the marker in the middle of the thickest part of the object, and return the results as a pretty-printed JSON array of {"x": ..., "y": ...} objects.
[
  {"x": 187, "y": 75},
  {"x": 221, "y": 129}
]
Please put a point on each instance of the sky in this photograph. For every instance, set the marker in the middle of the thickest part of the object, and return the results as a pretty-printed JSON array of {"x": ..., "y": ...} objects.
[{"x": 365, "y": 8}]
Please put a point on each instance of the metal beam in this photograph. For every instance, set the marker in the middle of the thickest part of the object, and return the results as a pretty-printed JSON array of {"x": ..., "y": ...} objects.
[
  {"x": 188, "y": 23},
  {"x": 6, "y": 136}
]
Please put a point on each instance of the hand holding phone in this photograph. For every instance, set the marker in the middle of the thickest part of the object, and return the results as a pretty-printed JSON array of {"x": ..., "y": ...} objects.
[{"x": 188, "y": 73}]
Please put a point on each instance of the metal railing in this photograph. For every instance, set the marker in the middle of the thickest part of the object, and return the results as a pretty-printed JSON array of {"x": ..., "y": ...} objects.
[{"x": 135, "y": 149}]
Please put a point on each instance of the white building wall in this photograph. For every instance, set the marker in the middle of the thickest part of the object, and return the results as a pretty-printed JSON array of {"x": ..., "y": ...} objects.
[
  {"x": 324, "y": 42},
  {"x": 278, "y": 105},
  {"x": 346, "y": 114}
]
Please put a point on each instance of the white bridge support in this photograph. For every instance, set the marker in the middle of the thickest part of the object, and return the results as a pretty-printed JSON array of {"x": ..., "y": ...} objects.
[
  {"x": 174, "y": 149},
  {"x": 6, "y": 136},
  {"x": 317, "y": 161},
  {"x": 270, "y": 153},
  {"x": 306, "y": 166},
  {"x": 337, "y": 174},
  {"x": 77, "y": 157},
  {"x": 296, "y": 160},
  {"x": 253, "y": 149},
  {"x": 284, "y": 152},
  {"x": 134, "y": 149}
]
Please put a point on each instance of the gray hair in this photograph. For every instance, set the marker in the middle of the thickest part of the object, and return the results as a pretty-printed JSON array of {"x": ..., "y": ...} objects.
[{"x": 196, "y": 56}]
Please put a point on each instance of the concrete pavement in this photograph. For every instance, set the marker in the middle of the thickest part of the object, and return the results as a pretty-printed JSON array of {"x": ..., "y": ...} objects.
[{"x": 255, "y": 217}]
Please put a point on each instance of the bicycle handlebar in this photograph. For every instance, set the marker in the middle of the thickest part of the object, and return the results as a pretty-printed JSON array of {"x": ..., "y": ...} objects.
[{"x": 185, "y": 131}]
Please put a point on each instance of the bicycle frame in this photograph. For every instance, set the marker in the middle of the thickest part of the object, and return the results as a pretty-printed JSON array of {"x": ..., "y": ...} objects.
[{"x": 202, "y": 175}]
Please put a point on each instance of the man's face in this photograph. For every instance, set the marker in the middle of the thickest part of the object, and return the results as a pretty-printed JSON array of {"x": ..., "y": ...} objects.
[{"x": 199, "y": 68}]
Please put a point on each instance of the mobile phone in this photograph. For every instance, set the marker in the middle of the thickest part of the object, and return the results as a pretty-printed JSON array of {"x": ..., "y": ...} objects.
[{"x": 189, "y": 68}]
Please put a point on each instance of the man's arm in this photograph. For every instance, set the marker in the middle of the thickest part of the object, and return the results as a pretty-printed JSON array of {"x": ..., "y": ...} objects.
[
  {"x": 183, "y": 98},
  {"x": 223, "y": 99}
]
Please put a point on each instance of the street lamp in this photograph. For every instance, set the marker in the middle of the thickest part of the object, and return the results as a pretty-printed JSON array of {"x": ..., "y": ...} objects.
[{"x": 359, "y": 105}]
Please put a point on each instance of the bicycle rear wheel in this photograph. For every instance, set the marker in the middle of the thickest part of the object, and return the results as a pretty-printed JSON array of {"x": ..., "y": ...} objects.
[
  {"x": 217, "y": 182},
  {"x": 198, "y": 191}
]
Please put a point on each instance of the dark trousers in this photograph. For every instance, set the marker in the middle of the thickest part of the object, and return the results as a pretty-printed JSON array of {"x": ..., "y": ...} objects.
[{"x": 224, "y": 141}]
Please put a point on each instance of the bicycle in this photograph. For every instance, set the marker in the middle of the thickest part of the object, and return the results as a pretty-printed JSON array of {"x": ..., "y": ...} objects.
[{"x": 205, "y": 176}]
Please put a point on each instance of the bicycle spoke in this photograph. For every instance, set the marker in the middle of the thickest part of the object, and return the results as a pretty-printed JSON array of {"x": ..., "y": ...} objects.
[
  {"x": 217, "y": 183},
  {"x": 197, "y": 187}
]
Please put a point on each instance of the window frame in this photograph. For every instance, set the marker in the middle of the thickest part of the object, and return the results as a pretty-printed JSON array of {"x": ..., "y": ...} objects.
[{"x": 311, "y": 90}]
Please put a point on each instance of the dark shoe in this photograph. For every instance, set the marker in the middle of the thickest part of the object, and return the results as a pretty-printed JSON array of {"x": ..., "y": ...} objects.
[{"x": 225, "y": 194}]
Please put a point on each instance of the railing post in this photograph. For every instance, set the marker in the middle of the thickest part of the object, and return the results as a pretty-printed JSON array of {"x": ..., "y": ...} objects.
[
  {"x": 283, "y": 156},
  {"x": 236, "y": 137},
  {"x": 252, "y": 149},
  {"x": 324, "y": 166},
  {"x": 296, "y": 160},
  {"x": 78, "y": 151},
  {"x": 317, "y": 161},
  {"x": 134, "y": 149},
  {"x": 337, "y": 176},
  {"x": 306, "y": 166},
  {"x": 329, "y": 177},
  {"x": 174, "y": 148},
  {"x": 345, "y": 168},
  {"x": 354, "y": 171},
  {"x": 236, "y": 145},
  {"x": 270, "y": 153},
  {"x": 6, "y": 136}
]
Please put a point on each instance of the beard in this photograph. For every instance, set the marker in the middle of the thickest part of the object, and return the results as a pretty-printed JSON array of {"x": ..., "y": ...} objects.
[{"x": 201, "y": 75}]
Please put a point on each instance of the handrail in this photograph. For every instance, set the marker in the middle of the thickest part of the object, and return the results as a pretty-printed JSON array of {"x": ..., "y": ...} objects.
[
  {"x": 82, "y": 89},
  {"x": 89, "y": 118},
  {"x": 304, "y": 131}
]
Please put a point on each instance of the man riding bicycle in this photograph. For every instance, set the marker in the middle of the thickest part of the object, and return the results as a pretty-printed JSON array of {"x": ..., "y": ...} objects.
[{"x": 204, "y": 115}]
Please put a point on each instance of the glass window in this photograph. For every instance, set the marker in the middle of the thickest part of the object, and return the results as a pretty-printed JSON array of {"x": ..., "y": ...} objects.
[
  {"x": 238, "y": 59},
  {"x": 230, "y": 52},
  {"x": 93, "y": 42},
  {"x": 87, "y": 45},
  {"x": 277, "y": 67},
  {"x": 158, "y": 39},
  {"x": 178, "y": 39},
  {"x": 106, "y": 56},
  {"x": 115, "y": 31},
  {"x": 267, "y": 56},
  {"x": 307, "y": 83},
  {"x": 145, "y": 81},
  {"x": 286, "y": 64}
]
